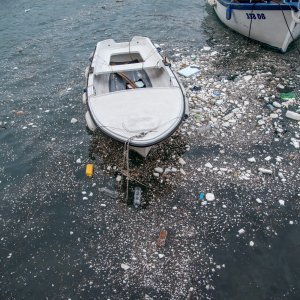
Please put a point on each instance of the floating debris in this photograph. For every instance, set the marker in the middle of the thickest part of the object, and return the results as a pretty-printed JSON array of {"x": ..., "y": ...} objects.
[
  {"x": 162, "y": 238},
  {"x": 189, "y": 71}
]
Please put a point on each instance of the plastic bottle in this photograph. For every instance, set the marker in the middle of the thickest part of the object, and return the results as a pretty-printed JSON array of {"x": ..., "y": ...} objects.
[{"x": 137, "y": 196}]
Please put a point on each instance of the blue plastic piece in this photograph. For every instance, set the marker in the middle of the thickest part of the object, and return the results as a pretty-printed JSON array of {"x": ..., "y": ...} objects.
[{"x": 201, "y": 196}]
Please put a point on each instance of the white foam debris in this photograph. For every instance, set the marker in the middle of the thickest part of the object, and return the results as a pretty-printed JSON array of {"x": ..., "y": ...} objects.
[
  {"x": 276, "y": 104},
  {"x": 274, "y": 116},
  {"x": 85, "y": 198},
  {"x": 258, "y": 200},
  {"x": 208, "y": 165},
  {"x": 161, "y": 255},
  {"x": 280, "y": 174},
  {"x": 9, "y": 255},
  {"x": 291, "y": 222},
  {"x": 293, "y": 115},
  {"x": 210, "y": 197},
  {"x": 281, "y": 202},
  {"x": 159, "y": 170},
  {"x": 280, "y": 86},
  {"x": 295, "y": 143},
  {"x": 252, "y": 159},
  {"x": 268, "y": 158},
  {"x": 119, "y": 178},
  {"x": 247, "y": 78},
  {"x": 125, "y": 267},
  {"x": 182, "y": 171},
  {"x": 181, "y": 161},
  {"x": 251, "y": 244},
  {"x": 73, "y": 120},
  {"x": 206, "y": 48},
  {"x": 241, "y": 231},
  {"x": 103, "y": 205},
  {"x": 265, "y": 171},
  {"x": 71, "y": 232},
  {"x": 261, "y": 122},
  {"x": 78, "y": 160}
]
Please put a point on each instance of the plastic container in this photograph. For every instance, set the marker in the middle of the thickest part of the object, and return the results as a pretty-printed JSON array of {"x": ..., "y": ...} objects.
[
  {"x": 89, "y": 171},
  {"x": 137, "y": 196}
]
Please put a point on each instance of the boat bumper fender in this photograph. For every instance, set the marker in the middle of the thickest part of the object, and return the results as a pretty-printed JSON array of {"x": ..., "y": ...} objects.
[
  {"x": 89, "y": 122},
  {"x": 212, "y": 2},
  {"x": 296, "y": 16},
  {"x": 84, "y": 98}
]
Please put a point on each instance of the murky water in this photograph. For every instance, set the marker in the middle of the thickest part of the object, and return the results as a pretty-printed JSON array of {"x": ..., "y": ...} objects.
[{"x": 51, "y": 231}]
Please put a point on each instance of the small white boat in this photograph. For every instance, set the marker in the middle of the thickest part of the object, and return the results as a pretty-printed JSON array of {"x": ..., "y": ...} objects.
[
  {"x": 132, "y": 94},
  {"x": 273, "y": 22}
]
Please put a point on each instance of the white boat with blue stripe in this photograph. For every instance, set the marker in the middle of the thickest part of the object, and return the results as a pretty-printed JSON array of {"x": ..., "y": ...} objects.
[{"x": 276, "y": 23}]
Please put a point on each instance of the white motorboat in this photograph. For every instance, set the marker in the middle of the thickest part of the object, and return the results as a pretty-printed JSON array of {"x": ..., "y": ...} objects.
[
  {"x": 132, "y": 94},
  {"x": 273, "y": 22}
]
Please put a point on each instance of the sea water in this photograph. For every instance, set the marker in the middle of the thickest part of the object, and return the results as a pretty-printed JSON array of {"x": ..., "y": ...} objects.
[{"x": 50, "y": 229}]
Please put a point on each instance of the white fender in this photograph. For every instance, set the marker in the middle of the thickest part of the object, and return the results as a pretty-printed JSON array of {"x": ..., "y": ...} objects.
[
  {"x": 212, "y": 2},
  {"x": 296, "y": 16},
  {"x": 89, "y": 122},
  {"x": 86, "y": 71},
  {"x": 84, "y": 98}
]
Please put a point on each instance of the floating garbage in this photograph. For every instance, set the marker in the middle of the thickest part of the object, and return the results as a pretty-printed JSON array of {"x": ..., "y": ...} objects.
[
  {"x": 270, "y": 107},
  {"x": 216, "y": 94},
  {"x": 162, "y": 238},
  {"x": 109, "y": 193},
  {"x": 89, "y": 171},
  {"x": 196, "y": 88},
  {"x": 287, "y": 96},
  {"x": 201, "y": 196},
  {"x": 125, "y": 267},
  {"x": 137, "y": 197},
  {"x": 265, "y": 171},
  {"x": 210, "y": 197},
  {"x": 293, "y": 115},
  {"x": 189, "y": 71}
]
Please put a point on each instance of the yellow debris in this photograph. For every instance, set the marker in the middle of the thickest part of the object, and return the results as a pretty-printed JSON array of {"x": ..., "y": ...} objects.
[{"x": 89, "y": 170}]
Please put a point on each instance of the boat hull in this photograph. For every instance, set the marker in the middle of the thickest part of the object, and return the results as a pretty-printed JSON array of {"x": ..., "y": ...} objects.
[
  {"x": 265, "y": 23},
  {"x": 140, "y": 116}
]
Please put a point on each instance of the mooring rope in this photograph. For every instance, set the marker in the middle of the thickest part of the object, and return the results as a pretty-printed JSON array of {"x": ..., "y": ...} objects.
[
  {"x": 250, "y": 27},
  {"x": 126, "y": 159}
]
